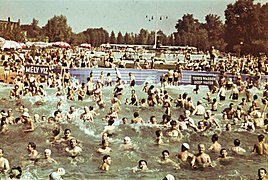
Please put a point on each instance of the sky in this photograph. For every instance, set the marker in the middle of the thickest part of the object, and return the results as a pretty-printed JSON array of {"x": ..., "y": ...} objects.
[{"x": 113, "y": 15}]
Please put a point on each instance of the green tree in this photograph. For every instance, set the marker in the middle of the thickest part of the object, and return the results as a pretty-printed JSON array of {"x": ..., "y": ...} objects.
[
  {"x": 243, "y": 25},
  {"x": 120, "y": 38},
  {"x": 96, "y": 36},
  {"x": 112, "y": 38},
  {"x": 215, "y": 31},
  {"x": 57, "y": 29},
  {"x": 190, "y": 33},
  {"x": 142, "y": 37}
]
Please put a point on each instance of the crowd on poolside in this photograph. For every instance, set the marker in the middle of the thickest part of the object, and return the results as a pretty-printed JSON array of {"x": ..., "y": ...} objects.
[{"x": 249, "y": 114}]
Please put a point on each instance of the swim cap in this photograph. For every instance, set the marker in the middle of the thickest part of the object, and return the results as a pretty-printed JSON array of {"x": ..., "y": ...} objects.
[
  {"x": 26, "y": 114},
  {"x": 169, "y": 177},
  {"x": 186, "y": 145},
  {"x": 127, "y": 138},
  {"x": 187, "y": 112},
  {"x": 54, "y": 176},
  {"x": 48, "y": 151},
  {"x": 61, "y": 171}
]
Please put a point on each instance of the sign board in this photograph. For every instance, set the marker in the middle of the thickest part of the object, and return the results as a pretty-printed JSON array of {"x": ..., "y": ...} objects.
[
  {"x": 36, "y": 69},
  {"x": 203, "y": 80}
]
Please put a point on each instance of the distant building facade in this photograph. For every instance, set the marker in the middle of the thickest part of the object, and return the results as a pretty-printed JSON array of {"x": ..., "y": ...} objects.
[{"x": 8, "y": 25}]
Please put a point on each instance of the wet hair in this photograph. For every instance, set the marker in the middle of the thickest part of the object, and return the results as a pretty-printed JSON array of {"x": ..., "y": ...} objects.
[
  {"x": 173, "y": 123},
  {"x": 65, "y": 131},
  {"x": 17, "y": 120},
  {"x": 140, "y": 161},
  {"x": 261, "y": 137},
  {"x": 165, "y": 151},
  {"x": 262, "y": 169},
  {"x": 222, "y": 150},
  {"x": 32, "y": 144},
  {"x": 151, "y": 118},
  {"x": 184, "y": 95},
  {"x": 158, "y": 132},
  {"x": 56, "y": 131},
  {"x": 151, "y": 87},
  {"x": 255, "y": 97},
  {"x": 214, "y": 137},
  {"x": 91, "y": 108},
  {"x": 143, "y": 100},
  {"x": 105, "y": 157},
  {"x": 136, "y": 114},
  {"x": 110, "y": 122},
  {"x": 236, "y": 142}
]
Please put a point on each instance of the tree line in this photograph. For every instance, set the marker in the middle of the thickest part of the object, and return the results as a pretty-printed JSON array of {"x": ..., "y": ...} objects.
[{"x": 245, "y": 30}]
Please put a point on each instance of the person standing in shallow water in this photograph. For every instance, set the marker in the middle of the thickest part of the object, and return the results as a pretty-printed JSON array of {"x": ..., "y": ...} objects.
[
  {"x": 185, "y": 155},
  {"x": 261, "y": 147},
  {"x": 201, "y": 159},
  {"x": 215, "y": 146}
]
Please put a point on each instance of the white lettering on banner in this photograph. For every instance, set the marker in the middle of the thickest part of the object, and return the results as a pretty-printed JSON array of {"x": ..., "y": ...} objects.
[
  {"x": 32, "y": 69},
  {"x": 44, "y": 70},
  {"x": 203, "y": 80}
]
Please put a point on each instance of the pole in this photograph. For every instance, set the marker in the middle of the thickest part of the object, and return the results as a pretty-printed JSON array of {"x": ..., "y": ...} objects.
[{"x": 156, "y": 18}]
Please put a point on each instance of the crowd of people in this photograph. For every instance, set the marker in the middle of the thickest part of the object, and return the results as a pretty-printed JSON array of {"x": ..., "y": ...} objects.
[{"x": 250, "y": 114}]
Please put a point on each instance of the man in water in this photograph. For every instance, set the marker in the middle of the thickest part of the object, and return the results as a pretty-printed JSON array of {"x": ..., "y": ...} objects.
[
  {"x": 106, "y": 162},
  {"x": 184, "y": 155},
  {"x": 66, "y": 138},
  {"x": 237, "y": 149},
  {"x": 104, "y": 149},
  {"x": 4, "y": 163},
  {"x": 73, "y": 150},
  {"x": 224, "y": 155},
  {"x": 201, "y": 159},
  {"x": 215, "y": 146},
  {"x": 33, "y": 153},
  {"x": 166, "y": 160},
  {"x": 47, "y": 158},
  {"x": 142, "y": 166},
  {"x": 261, "y": 147},
  {"x": 127, "y": 145}
]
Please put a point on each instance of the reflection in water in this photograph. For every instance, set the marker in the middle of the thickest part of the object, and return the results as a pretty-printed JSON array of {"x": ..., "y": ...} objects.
[{"x": 15, "y": 141}]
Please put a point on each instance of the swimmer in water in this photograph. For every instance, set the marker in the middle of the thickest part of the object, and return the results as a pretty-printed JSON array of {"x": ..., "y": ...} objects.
[
  {"x": 73, "y": 150},
  {"x": 142, "y": 166},
  {"x": 4, "y": 163},
  {"x": 106, "y": 162},
  {"x": 201, "y": 159}
]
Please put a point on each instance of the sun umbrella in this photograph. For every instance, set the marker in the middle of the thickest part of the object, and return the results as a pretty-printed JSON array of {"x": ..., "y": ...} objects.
[
  {"x": 61, "y": 44},
  {"x": 41, "y": 44},
  {"x": 23, "y": 46},
  {"x": 130, "y": 50},
  {"x": 11, "y": 45},
  {"x": 85, "y": 45}
]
